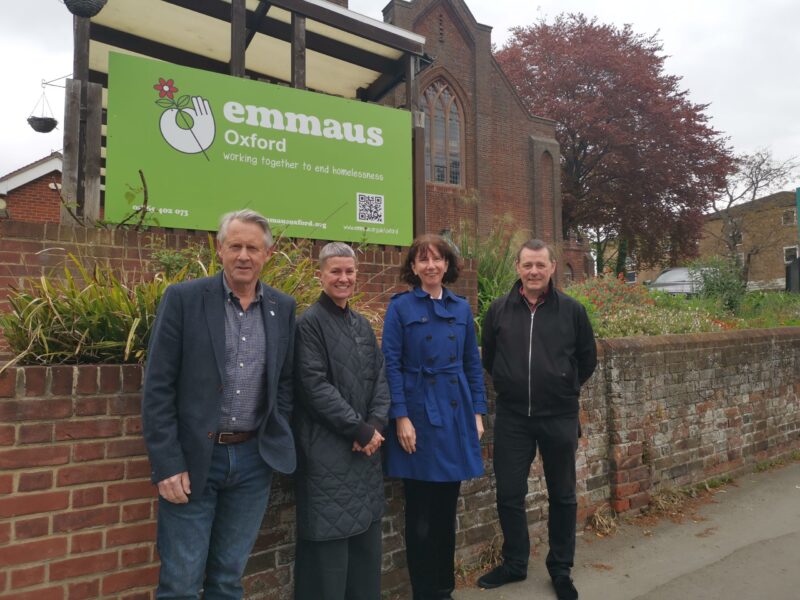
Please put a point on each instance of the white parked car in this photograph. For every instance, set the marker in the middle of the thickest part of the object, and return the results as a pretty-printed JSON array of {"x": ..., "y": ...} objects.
[{"x": 677, "y": 280}]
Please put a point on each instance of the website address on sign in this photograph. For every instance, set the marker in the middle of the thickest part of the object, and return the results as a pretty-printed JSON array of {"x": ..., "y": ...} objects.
[
  {"x": 302, "y": 222},
  {"x": 390, "y": 230}
]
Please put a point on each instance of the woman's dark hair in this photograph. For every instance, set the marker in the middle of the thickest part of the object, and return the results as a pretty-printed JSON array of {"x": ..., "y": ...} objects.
[{"x": 419, "y": 248}]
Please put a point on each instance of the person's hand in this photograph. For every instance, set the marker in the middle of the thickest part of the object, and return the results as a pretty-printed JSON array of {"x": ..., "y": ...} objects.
[
  {"x": 175, "y": 489},
  {"x": 479, "y": 425},
  {"x": 185, "y": 135},
  {"x": 406, "y": 434},
  {"x": 372, "y": 446}
]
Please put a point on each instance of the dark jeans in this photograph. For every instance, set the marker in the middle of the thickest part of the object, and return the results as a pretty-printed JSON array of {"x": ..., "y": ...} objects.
[
  {"x": 431, "y": 537},
  {"x": 206, "y": 543},
  {"x": 516, "y": 438},
  {"x": 346, "y": 569}
]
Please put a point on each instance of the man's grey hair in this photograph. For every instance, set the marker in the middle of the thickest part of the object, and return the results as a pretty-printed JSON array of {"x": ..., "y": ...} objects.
[
  {"x": 335, "y": 249},
  {"x": 537, "y": 245},
  {"x": 245, "y": 216}
]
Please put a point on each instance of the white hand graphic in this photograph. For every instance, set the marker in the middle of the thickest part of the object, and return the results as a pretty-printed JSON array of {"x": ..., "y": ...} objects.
[{"x": 196, "y": 139}]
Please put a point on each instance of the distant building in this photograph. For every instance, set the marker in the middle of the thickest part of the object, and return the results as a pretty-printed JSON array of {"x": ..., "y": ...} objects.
[
  {"x": 32, "y": 193},
  {"x": 766, "y": 233}
]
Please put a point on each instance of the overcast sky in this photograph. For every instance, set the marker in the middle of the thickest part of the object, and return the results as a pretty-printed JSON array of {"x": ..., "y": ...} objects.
[{"x": 739, "y": 56}]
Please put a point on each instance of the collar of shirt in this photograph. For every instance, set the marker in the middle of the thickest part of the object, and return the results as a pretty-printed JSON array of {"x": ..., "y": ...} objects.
[
  {"x": 230, "y": 295},
  {"x": 420, "y": 293},
  {"x": 533, "y": 305}
]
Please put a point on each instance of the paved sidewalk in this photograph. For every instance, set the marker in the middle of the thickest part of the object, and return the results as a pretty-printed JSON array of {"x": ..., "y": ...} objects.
[{"x": 745, "y": 546}]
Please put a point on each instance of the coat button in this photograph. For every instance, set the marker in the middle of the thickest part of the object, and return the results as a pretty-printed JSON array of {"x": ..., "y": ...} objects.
[
  {"x": 211, "y": 435},
  {"x": 452, "y": 336},
  {"x": 424, "y": 319},
  {"x": 453, "y": 403},
  {"x": 429, "y": 337},
  {"x": 433, "y": 380},
  {"x": 452, "y": 357},
  {"x": 429, "y": 361},
  {"x": 454, "y": 380}
]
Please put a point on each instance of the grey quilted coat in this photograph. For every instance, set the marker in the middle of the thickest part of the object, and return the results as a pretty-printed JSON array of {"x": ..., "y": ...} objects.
[{"x": 341, "y": 397}]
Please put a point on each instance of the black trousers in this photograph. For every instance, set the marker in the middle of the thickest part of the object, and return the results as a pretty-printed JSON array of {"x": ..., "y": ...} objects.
[
  {"x": 516, "y": 439},
  {"x": 346, "y": 569},
  {"x": 431, "y": 537}
]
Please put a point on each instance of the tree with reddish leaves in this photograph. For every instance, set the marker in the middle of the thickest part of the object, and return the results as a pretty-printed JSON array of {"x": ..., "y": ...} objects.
[{"x": 640, "y": 162}]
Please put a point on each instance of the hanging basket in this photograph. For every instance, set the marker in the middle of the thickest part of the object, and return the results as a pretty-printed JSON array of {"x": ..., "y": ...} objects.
[
  {"x": 85, "y": 8},
  {"x": 42, "y": 124}
]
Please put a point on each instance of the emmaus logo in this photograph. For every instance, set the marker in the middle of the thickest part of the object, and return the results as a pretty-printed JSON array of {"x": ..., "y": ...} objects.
[{"x": 187, "y": 124}]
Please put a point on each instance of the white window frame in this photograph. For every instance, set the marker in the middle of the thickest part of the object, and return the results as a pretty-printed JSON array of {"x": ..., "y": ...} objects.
[{"x": 796, "y": 253}]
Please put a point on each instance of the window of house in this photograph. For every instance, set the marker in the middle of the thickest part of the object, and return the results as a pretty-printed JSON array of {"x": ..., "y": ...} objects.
[
  {"x": 788, "y": 217},
  {"x": 569, "y": 274},
  {"x": 789, "y": 254},
  {"x": 443, "y": 134}
]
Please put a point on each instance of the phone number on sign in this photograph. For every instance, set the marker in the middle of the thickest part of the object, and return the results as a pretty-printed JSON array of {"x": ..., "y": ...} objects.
[{"x": 180, "y": 212}]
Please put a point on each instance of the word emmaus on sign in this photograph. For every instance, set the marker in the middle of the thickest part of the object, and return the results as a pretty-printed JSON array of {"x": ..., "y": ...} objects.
[
  {"x": 316, "y": 166},
  {"x": 271, "y": 118}
]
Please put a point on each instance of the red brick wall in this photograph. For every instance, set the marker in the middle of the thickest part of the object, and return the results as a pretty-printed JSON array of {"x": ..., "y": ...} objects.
[
  {"x": 35, "y": 202},
  {"x": 76, "y": 504},
  {"x": 77, "y": 510}
]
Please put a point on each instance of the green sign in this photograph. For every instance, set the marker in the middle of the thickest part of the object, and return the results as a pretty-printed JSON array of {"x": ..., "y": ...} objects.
[{"x": 316, "y": 166}]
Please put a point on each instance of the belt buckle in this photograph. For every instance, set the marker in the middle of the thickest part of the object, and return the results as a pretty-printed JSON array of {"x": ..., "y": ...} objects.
[{"x": 221, "y": 436}]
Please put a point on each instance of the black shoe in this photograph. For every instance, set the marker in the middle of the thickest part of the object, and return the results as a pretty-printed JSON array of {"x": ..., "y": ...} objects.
[
  {"x": 565, "y": 589},
  {"x": 497, "y": 577}
]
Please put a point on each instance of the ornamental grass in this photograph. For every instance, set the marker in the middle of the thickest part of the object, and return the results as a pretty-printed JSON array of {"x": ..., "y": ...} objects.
[{"x": 94, "y": 314}]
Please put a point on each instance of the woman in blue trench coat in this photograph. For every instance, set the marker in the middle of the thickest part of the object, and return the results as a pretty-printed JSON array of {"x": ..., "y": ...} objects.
[{"x": 436, "y": 381}]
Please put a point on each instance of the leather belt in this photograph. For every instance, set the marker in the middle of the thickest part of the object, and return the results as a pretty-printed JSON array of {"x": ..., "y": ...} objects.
[{"x": 233, "y": 437}]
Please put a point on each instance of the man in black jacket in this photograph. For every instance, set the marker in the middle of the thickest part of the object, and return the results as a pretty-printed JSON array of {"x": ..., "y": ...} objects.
[{"x": 539, "y": 348}]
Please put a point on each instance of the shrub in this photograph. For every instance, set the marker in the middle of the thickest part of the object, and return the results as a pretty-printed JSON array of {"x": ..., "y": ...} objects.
[
  {"x": 721, "y": 280},
  {"x": 97, "y": 316},
  {"x": 495, "y": 257},
  {"x": 770, "y": 309},
  {"x": 619, "y": 309}
]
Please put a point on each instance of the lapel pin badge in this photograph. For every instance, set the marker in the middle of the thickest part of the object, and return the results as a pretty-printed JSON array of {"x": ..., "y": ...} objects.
[{"x": 272, "y": 312}]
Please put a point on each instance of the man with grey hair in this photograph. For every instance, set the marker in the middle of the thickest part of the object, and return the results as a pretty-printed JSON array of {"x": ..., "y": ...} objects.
[
  {"x": 341, "y": 409},
  {"x": 215, "y": 412}
]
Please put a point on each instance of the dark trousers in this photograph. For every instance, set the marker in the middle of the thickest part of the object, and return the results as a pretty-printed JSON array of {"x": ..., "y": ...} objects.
[
  {"x": 516, "y": 439},
  {"x": 346, "y": 569},
  {"x": 431, "y": 537}
]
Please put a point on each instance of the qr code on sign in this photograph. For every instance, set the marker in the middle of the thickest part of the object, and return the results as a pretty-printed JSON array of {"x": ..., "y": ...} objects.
[{"x": 369, "y": 208}]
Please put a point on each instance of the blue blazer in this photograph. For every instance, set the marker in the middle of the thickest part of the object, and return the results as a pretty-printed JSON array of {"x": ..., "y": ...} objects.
[
  {"x": 435, "y": 377},
  {"x": 184, "y": 376}
]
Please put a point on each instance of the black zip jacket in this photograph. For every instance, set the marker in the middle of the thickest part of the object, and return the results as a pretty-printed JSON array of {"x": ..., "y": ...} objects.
[{"x": 538, "y": 359}]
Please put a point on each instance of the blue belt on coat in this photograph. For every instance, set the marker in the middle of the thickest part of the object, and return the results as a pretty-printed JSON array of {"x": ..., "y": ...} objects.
[{"x": 431, "y": 405}]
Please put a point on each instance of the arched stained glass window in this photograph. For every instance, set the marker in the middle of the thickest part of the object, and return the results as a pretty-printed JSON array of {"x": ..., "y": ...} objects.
[{"x": 443, "y": 134}]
